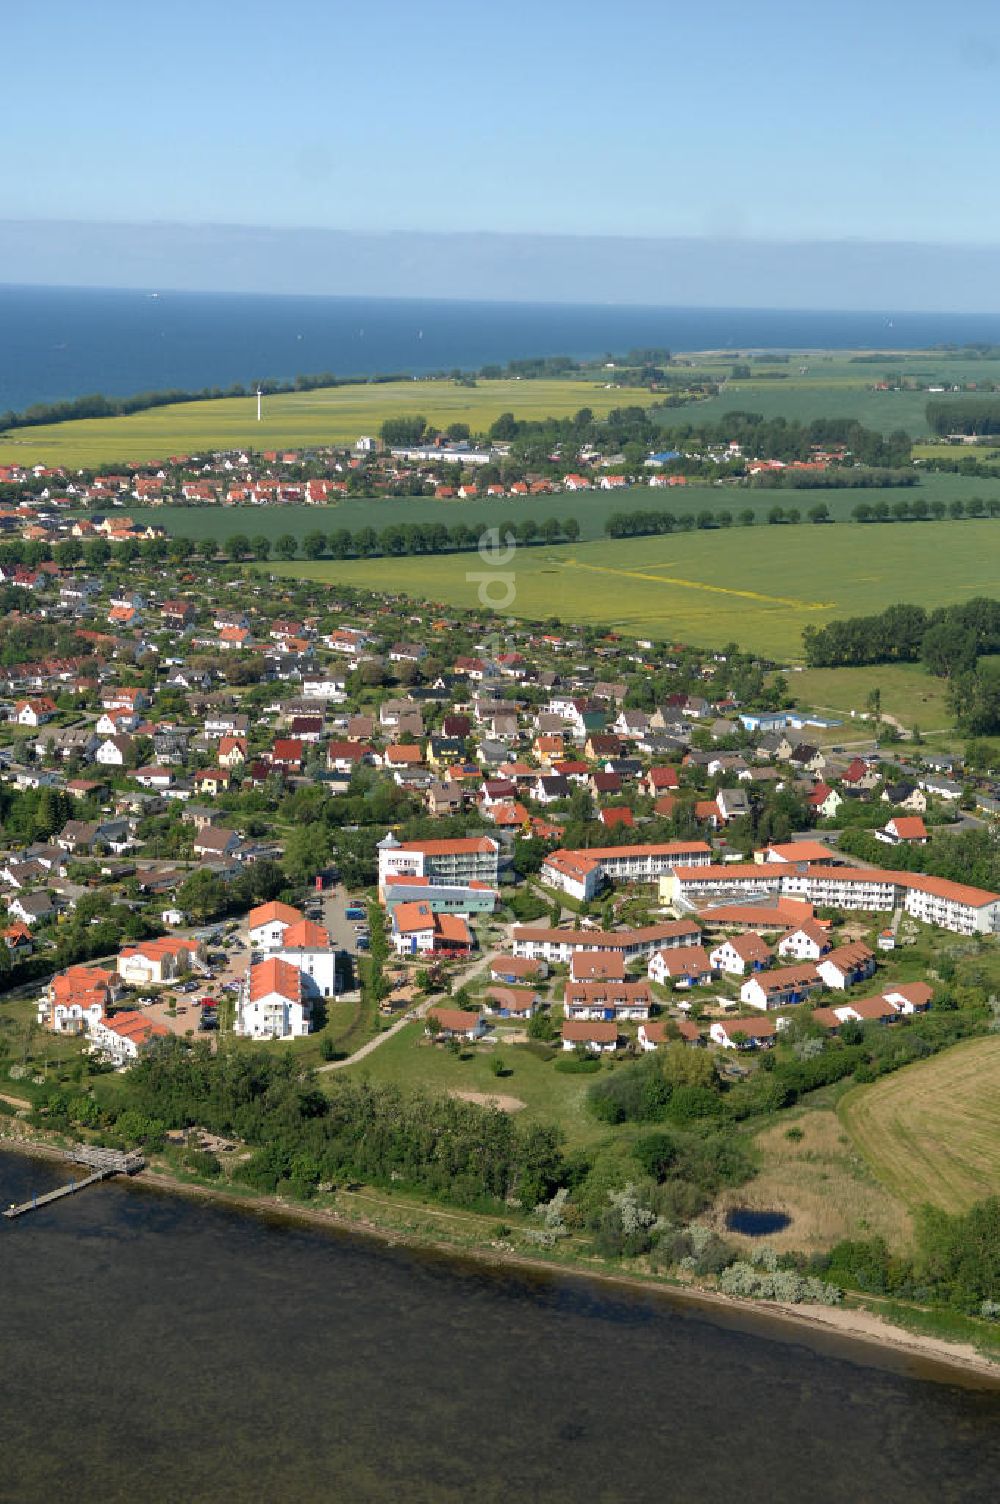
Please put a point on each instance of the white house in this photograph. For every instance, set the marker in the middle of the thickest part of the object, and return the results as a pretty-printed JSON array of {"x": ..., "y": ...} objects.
[
  {"x": 325, "y": 688},
  {"x": 686, "y": 966},
  {"x": 124, "y": 1036},
  {"x": 743, "y": 1033},
  {"x": 307, "y": 946},
  {"x": 806, "y": 942},
  {"x": 597, "y": 1036},
  {"x": 779, "y": 988},
  {"x": 607, "y": 999},
  {"x": 846, "y": 965},
  {"x": 458, "y": 1023},
  {"x": 271, "y": 1004},
  {"x": 573, "y": 873},
  {"x": 266, "y": 925},
  {"x": 114, "y": 751},
  {"x": 155, "y": 962},
  {"x": 742, "y": 954}
]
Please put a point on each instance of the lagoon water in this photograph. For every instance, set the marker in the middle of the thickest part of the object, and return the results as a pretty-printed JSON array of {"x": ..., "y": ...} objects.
[
  {"x": 163, "y": 1350},
  {"x": 60, "y": 342}
]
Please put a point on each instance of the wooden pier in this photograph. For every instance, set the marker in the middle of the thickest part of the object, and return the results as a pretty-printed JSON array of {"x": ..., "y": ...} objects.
[{"x": 102, "y": 1163}]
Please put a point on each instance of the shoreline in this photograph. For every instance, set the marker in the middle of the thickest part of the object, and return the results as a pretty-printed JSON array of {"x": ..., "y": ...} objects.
[{"x": 826, "y": 1328}]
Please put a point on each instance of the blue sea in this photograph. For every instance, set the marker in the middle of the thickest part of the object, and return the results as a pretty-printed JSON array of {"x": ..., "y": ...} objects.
[{"x": 61, "y": 342}]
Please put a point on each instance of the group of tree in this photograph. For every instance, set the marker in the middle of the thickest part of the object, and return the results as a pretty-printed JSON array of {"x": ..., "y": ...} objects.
[
  {"x": 961, "y": 856},
  {"x": 948, "y": 640},
  {"x": 787, "y": 439},
  {"x": 965, "y": 414},
  {"x": 956, "y": 1261},
  {"x": 360, "y": 1130}
]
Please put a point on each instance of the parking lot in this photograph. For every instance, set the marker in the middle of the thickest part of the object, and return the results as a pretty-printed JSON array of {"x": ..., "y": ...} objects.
[{"x": 343, "y": 931}]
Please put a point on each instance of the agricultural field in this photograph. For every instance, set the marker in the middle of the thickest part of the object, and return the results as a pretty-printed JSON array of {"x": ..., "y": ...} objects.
[
  {"x": 986, "y": 452},
  {"x": 328, "y": 415},
  {"x": 758, "y": 586},
  {"x": 803, "y": 400},
  {"x": 820, "y": 384},
  {"x": 590, "y": 508},
  {"x": 931, "y": 1132}
]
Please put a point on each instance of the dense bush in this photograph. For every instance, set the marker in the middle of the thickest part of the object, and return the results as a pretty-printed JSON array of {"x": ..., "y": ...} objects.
[
  {"x": 956, "y": 1262},
  {"x": 441, "y": 1146}
]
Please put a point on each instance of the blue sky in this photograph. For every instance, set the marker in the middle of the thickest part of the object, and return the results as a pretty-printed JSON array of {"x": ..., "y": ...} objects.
[
  {"x": 645, "y": 117},
  {"x": 776, "y": 122}
]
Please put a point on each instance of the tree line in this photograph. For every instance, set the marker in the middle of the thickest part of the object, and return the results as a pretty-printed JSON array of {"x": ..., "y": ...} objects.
[
  {"x": 395, "y": 540},
  {"x": 969, "y": 415},
  {"x": 949, "y": 640},
  {"x": 646, "y": 523},
  {"x": 787, "y": 439},
  {"x": 921, "y": 510}
]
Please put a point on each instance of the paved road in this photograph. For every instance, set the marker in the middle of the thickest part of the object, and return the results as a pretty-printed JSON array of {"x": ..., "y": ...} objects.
[{"x": 478, "y": 963}]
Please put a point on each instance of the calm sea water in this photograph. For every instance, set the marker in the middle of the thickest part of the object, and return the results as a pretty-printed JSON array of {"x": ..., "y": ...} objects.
[
  {"x": 64, "y": 342},
  {"x": 160, "y": 1350}
]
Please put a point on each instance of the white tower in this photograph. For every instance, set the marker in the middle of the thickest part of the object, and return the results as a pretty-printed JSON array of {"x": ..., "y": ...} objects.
[{"x": 258, "y": 403}]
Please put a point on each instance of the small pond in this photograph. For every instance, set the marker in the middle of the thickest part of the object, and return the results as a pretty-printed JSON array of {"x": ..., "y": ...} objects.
[{"x": 755, "y": 1222}]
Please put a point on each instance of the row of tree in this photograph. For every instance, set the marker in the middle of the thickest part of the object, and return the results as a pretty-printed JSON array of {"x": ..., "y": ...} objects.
[
  {"x": 640, "y": 524},
  {"x": 920, "y": 510},
  {"x": 396, "y": 539},
  {"x": 787, "y": 439}
]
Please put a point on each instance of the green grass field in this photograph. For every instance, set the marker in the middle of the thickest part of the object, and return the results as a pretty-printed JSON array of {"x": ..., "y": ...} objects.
[
  {"x": 408, "y": 1059},
  {"x": 805, "y": 400},
  {"x": 931, "y": 1132},
  {"x": 757, "y": 586},
  {"x": 908, "y": 693},
  {"x": 329, "y": 415},
  {"x": 822, "y": 384}
]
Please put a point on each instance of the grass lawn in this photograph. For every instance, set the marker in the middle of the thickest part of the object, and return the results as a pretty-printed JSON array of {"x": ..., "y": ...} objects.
[
  {"x": 908, "y": 692},
  {"x": 757, "y": 586},
  {"x": 931, "y": 1132},
  {"x": 329, "y": 415},
  {"x": 550, "y": 1096}
]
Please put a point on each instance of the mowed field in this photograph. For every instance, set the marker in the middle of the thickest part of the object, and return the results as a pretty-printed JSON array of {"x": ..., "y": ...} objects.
[
  {"x": 329, "y": 415},
  {"x": 931, "y": 1132},
  {"x": 756, "y": 586}
]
